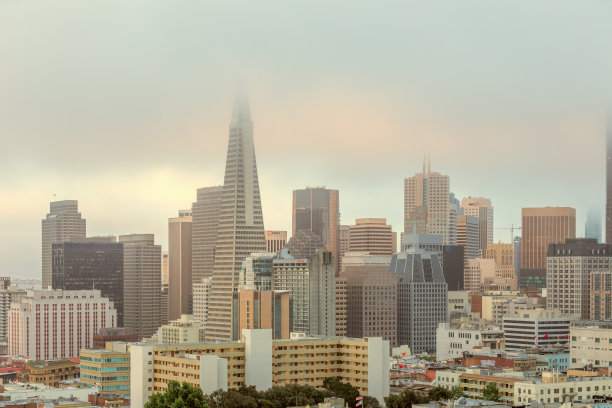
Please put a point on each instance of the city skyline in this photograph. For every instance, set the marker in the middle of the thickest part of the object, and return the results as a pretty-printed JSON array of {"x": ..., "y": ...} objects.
[{"x": 516, "y": 119}]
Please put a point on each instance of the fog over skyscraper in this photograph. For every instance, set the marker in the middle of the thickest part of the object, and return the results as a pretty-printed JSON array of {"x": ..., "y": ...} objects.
[
  {"x": 241, "y": 229},
  {"x": 592, "y": 226},
  {"x": 609, "y": 183}
]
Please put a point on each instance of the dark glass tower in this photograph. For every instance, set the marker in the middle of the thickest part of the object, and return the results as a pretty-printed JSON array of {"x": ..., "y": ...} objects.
[{"x": 90, "y": 265}]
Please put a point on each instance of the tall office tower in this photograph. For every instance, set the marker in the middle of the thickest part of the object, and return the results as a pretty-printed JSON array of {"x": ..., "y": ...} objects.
[
  {"x": 609, "y": 183},
  {"x": 592, "y": 226},
  {"x": 571, "y": 267},
  {"x": 468, "y": 236},
  {"x": 516, "y": 246},
  {"x": 427, "y": 204},
  {"x": 540, "y": 228},
  {"x": 478, "y": 272},
  {"x": 142, "y": 303},
  {"x": 179, "y": 265},
  {"x": 90, "y": 264},
  {"x": 241, "y": 228},
  {"x": 275, "y": 240},
  {"x": 322, "y": 293},
  {"x": 164, "y": 271},
  {"x": 503, "y": 254},
  {"x": 422, "y": 293},
  {"x": 53, "y": 324},
  {"x": 261, "y": 309},
  {"x": 304, "y": 243},
  {"x": 317, "y": 209},
  {"x": 341, "y": 305},
  {"x": 371, "y": 235},
  {"x": 205, "y": 221},
  {"x": 482, "y": 209},
  {"x": 201, "y": 298},
  {"x": 256, "y": 272},
  {"x": 312, "y": 286},
  {"x": 8, "y": 294},
  {"x": 293, "y": 274},
  {"x": 343, "y": 244},
  {"x": 371, "y": 296},
  {"x": 63, "y": 223},
  {"x": 453, "y": 266},
  {"x": 454, "y": 211}
]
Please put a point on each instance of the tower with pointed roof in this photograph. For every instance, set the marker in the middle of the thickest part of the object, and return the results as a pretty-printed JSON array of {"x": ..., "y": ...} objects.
[{"x": 241, "y": 229}]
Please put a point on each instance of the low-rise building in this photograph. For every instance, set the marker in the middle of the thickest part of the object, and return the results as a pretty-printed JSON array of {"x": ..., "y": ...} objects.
[
  {"x": 591, "y": 345},
  {"x": 453, "y": 342},
  {"x": 537, "y": 329},
  {"x": 184, "y": 330},
  {"x": 23, "y": 391},
  {"x": 49, "y": 372},
  {"x": 458, "y": 303},
  {"x": 108, "y": 369},
  {"x": 473, "y": 381},
  {"x": 557, "y": 388},
  {"x": 260, "y": 361},
  {"x": 121, "y": 334}
]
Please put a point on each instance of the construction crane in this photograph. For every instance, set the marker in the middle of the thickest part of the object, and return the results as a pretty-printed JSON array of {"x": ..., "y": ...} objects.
[{"x": 512, "y": 228}]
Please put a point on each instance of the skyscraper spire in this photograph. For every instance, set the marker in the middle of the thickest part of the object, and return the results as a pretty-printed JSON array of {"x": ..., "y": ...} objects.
[{"x": 241, "y": 229}]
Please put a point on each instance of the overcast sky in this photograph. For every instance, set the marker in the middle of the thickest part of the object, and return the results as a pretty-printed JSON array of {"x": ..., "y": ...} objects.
[{"x": 125, "y": 106}]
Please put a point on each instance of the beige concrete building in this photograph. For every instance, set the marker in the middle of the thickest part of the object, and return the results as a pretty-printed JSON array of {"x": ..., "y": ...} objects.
[
  {"x": 164, "y": 272},
  {"x": 241, "y": 228},
  {"x": 108, "y": 369},
  {"x": 262, "y": 362},
  {"x": 482, "y": 209},
  {"x": 590, "y": 346},
  {"x": 503, "y": 254},
  {"x": 372, "y": 235},
  {"x": 558, "y": 388},
  {"x": 63, "y": 223},
  {"x": 261, "y": 309},
  {"x": 427, "y": 209},
  {"x": 341, "y": 306},
  {"x": 458, "y": 303},
  {"x": 187, "y": 329},
  {"x": 179, "y": 265},
  {"x": 142, "y": 300},
  {"x": 478, "y": 271},
  {"x": 452, "y": 342},
  {"x": 540, "y": 228},
  {"x": 275, "y": 240}
]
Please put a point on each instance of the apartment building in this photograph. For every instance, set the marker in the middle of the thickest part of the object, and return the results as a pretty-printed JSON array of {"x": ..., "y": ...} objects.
[{"x": 260, "y": 361}]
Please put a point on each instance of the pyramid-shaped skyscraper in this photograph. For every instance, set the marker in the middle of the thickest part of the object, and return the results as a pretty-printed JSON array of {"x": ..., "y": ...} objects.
[{"x": 241, "y": 229}]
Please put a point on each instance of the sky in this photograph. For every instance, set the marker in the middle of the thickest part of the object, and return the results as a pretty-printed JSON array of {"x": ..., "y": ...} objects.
[{"x": 125, "y": 106}]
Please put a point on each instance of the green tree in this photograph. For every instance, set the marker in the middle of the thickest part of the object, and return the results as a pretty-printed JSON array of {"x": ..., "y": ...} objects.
[
  {"x": 178, "y": 396},
  {"x": 342, "y": 390},
  {"x": 456, "y": 392},
  {"x": 371, "y": 402},
  {"x": 231, "y": 399},
  {"x": 438, "y": 394},
  {"x": 405, "y": 400},
  {"x": 491, "y": 393}
]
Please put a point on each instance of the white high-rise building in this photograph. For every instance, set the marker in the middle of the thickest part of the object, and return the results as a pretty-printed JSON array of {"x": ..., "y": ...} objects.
[
  {"x": 427, "y": 207},
  {"x": 8, "y": 294},
  {"x": 53, "y": 324},
  {"x": 63, "y": 223},
  {"x": 482, "y": 209},
  {"x": 201, "y": 298}
]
